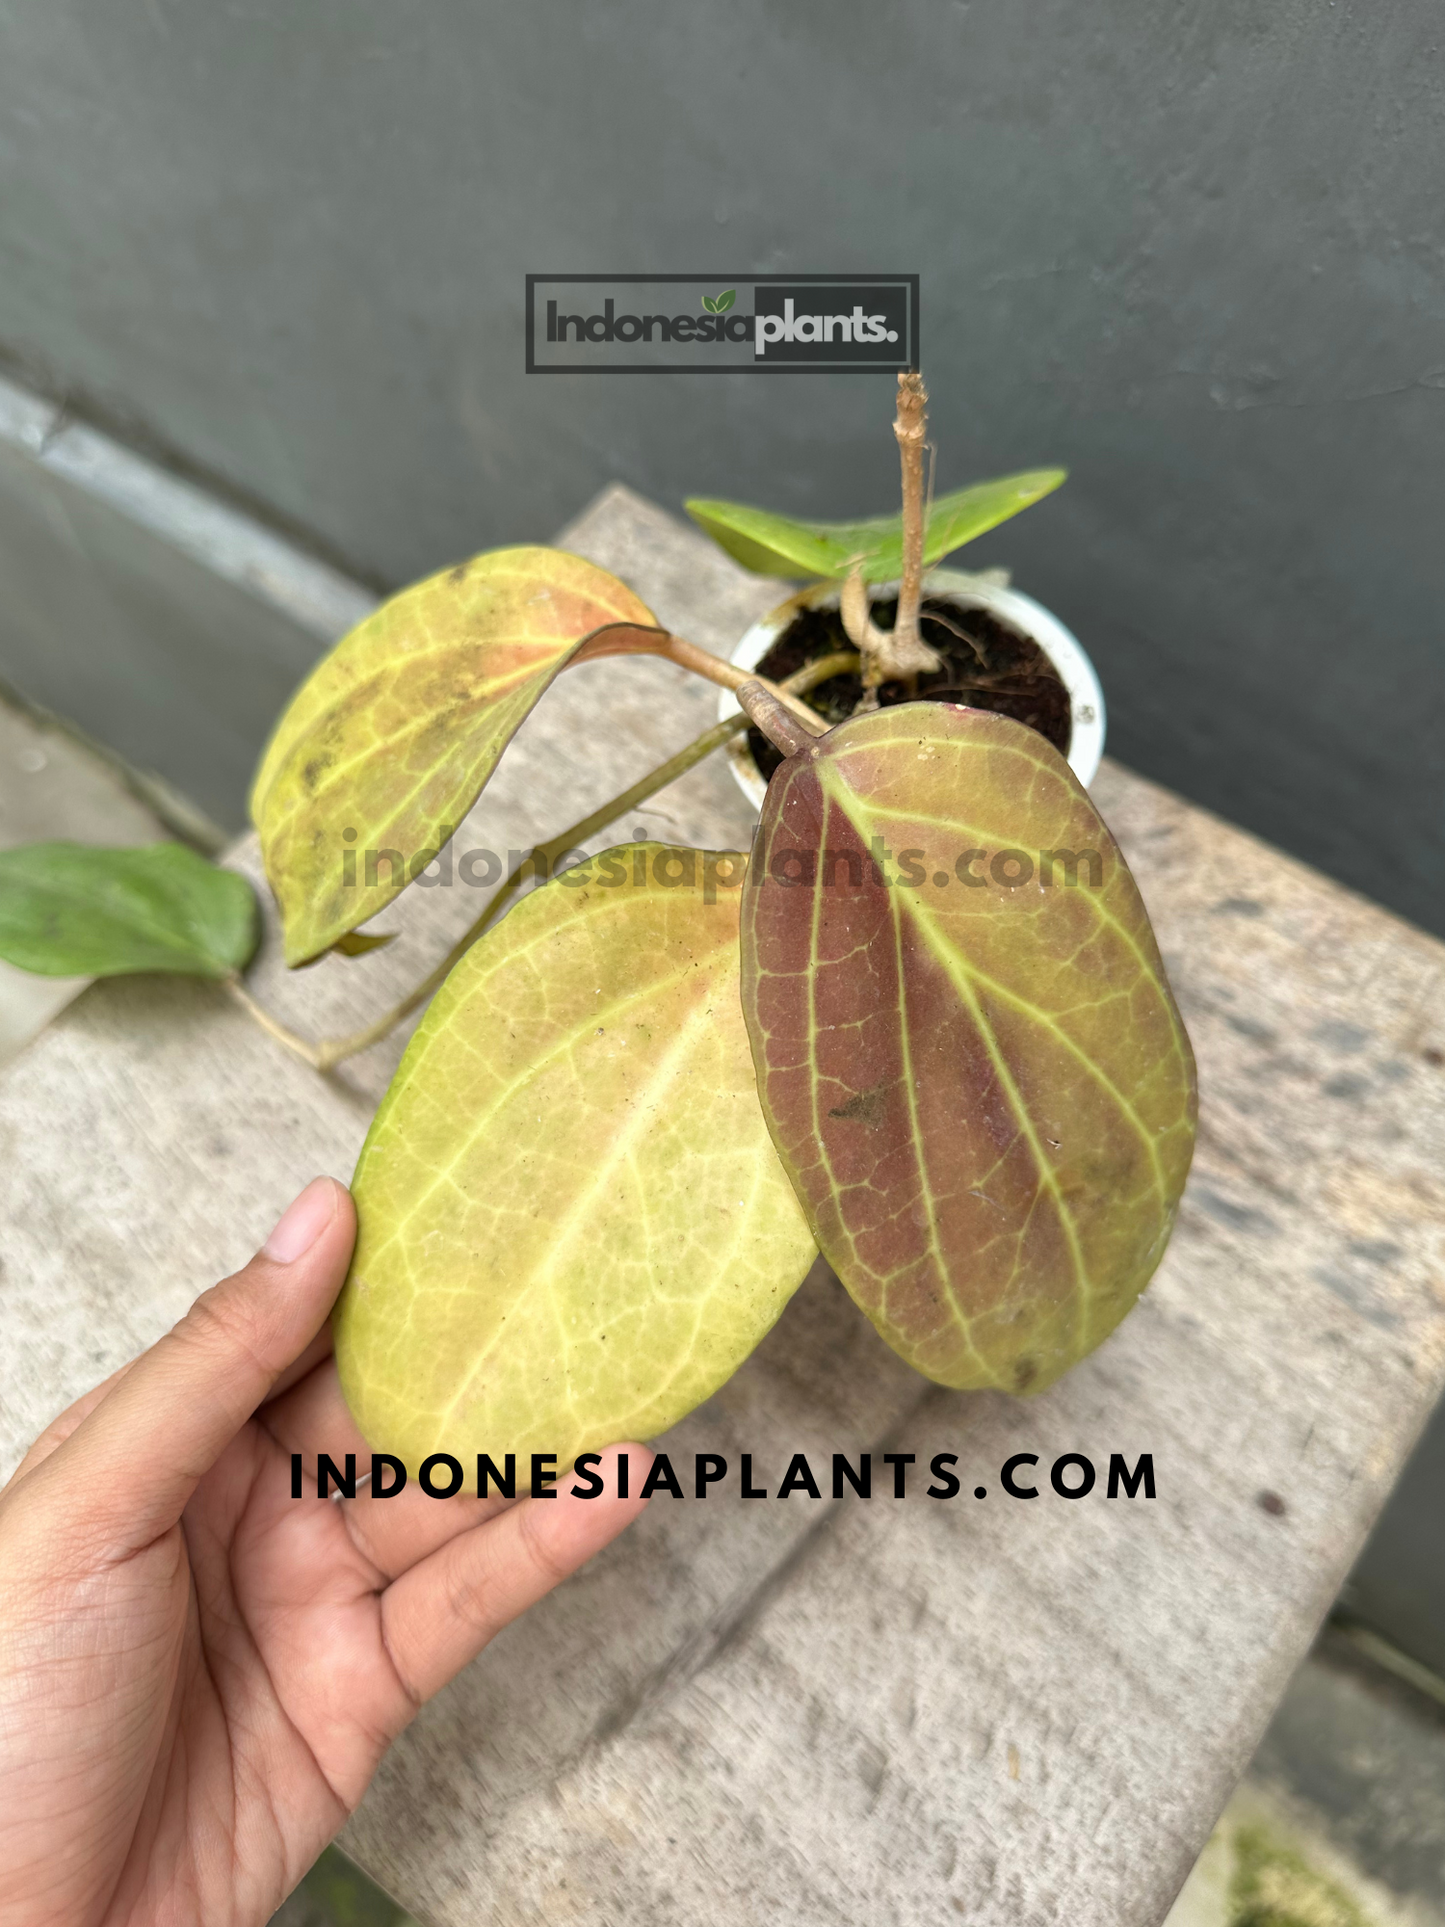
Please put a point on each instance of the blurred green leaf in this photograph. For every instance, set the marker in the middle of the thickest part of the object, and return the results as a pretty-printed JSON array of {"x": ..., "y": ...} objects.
[
  {"x": 725, "y": 300},
  {"x": 709, "y": 304},
  {"x": 771, "y": 544},
  {"x": 336, "y": 1893},
  {"x": 74, "y": 910}
]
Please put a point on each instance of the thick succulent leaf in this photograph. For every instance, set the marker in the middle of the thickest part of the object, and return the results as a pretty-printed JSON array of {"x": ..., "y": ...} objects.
[
  {"x": 574, "y": 1226},
  {"x": 394, "y": 734},
  {"x": 75, "y": 910},
  {"x": 776, "y": 545},
  {"x": 981, "y": 1089}
]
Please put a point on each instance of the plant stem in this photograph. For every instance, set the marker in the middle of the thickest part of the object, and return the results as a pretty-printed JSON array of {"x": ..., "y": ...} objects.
[
  {"x": 903, "y": 655},
  {"x": 766, "y": 713},
  {"x": 910, "y": 426},
  {"x": 540, "y": 859},
  {"x": 872, "y": 645},
  {"x": 631, "y": 639},
  {"x": 273, "y": 1027}
]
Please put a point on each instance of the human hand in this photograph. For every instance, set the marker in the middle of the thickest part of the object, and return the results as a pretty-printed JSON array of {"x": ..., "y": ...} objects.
[{"x": 199, "y": 1674}]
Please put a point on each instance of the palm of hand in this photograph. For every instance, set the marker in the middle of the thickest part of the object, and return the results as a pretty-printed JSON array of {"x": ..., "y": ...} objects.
[
  {"x": 270, "y": 1675},
  {"x": 193, "y": 1697}
]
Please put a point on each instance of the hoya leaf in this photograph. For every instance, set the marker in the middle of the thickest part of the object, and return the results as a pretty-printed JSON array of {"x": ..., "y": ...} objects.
[
  {"x": 391, "y": 739},
  {"x": 360, "y": 943},
  {"x": 573, "y": 1223},
  {"x": 967, "y": 1050},
  {"x": 77, "y": 910},
  {"x": 771, "y": 544}
]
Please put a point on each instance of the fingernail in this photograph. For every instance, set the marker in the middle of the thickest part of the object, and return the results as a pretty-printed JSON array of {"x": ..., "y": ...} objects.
[{"x": 302, "y": 1223}]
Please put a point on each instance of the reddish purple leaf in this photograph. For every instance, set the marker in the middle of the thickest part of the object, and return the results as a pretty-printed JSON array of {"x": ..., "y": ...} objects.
[{"x": 974, "y": 1071}]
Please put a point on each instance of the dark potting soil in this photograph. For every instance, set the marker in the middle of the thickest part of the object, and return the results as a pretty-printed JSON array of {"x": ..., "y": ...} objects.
[{"x": 985, "y": 665}]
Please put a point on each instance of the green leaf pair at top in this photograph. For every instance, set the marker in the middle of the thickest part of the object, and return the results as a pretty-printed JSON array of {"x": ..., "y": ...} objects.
[
  {"x": 720, "y": 303},
  {"x": 771, "y": 544},
  {"x": 643, "y": 1101}
]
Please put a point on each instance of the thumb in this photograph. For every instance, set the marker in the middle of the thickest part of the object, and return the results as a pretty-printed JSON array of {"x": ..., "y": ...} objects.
[{"x": 134, "y": 1461}]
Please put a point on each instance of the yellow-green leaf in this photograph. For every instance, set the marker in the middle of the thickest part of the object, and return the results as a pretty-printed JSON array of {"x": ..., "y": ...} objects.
[
  {"x": 771, "y": 544},
  {"x": 393, "y": 736},
  {"x": 966, "y": 1045},
  {"x": 360, "y": 943},
  {"x": 573, "y": 1223}
]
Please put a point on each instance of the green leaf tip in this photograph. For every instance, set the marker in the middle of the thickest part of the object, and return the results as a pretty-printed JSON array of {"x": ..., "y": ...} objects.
[{"x": 79, "y": 910}]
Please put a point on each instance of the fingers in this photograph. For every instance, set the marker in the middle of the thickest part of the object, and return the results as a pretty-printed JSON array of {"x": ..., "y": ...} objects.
[
  {"x": 441, "y": 1613},
  {"x": 312, "y": 1417},
  {"x": 315, "y": 1353},
  {"x": 60, "y": 1429},
  {"x": 394, "y": 1532},
  {"x": 133, "y": 1462}
]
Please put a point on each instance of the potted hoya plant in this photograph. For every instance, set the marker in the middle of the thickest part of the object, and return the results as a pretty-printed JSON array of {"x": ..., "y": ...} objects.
[
  {"x": 963, "y": 638},
  {"x": 922, "y": 1026}
]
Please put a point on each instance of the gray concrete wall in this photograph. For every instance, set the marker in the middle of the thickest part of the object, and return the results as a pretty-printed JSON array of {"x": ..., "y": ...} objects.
[
  {"x": 1398, "y": 1586},
  {"x": 105, "y": 623},
  {"x": 1193, "y": 252},
  {"x": 171, "y": 627}
]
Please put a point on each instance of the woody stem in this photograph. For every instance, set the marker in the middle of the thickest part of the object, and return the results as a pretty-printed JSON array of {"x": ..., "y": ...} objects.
[{"x": 910, "y": 426}]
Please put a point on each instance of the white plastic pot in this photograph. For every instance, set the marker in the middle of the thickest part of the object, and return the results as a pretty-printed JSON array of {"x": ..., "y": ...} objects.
[{"x": 1008, "y": 606}]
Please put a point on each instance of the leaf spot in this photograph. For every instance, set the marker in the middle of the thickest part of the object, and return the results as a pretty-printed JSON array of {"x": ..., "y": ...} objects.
[{"x": 866, "y": 1106}]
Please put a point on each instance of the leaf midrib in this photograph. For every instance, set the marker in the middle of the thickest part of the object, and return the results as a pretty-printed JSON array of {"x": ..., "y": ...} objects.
[
  {"x": 848, "y": 801},
  {"x": 541, "y": 1278},
  {"x": 564, "y": 1044}
]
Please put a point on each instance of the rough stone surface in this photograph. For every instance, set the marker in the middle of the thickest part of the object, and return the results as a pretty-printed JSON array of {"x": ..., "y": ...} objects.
[{"x": 900, "y": 1711}]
